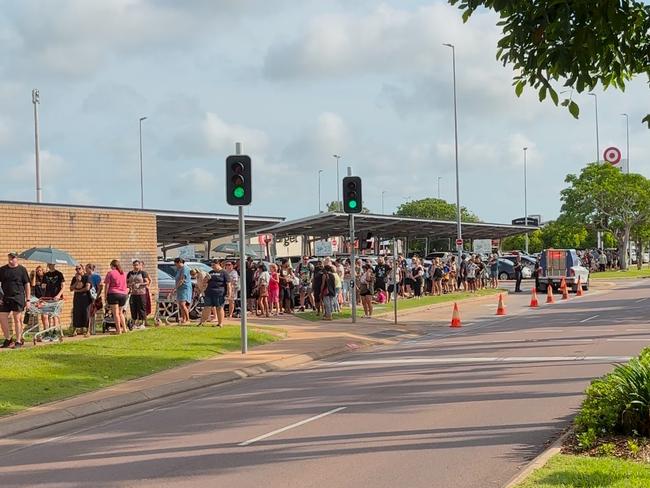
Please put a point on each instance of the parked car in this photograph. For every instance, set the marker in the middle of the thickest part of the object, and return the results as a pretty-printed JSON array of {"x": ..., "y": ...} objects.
[
  {"x": 166, "y": 284},
  {"x": 506, "y": 269},
  {"x": 562, "y": 263},
  {"x": 170, "y": 268},
  {"x": 443, "y": 255},
  {"x": 526, "y": 260}
]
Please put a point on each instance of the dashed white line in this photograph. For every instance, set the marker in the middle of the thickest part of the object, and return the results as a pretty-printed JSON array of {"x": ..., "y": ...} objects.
[
  {"x": 292, "y": 426},
  {"x": 588, "y": 319}
]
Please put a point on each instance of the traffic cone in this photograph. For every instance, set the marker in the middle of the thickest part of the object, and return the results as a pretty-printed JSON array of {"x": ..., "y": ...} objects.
[
  {"x": 534, "y": 303},
  {"x": 549, "y": 293},
  {"x": 579, "y": 291},
  {"x": 501, "y": 308},
  {"x": 455, "y": 317},
  {"x": 565, "y": 290}
]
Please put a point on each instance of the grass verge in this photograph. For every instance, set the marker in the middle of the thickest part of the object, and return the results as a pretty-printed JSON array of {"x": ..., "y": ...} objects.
[
  {"x": 563, "y": 471},
  {"x": 403, "y": 304},
  {"x": 621, "y": 275},
  {"x": 42, "y": 374}
]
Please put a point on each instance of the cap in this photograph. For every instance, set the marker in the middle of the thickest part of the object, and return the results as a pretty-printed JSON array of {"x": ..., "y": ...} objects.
[{"x": 12, "y": 254}]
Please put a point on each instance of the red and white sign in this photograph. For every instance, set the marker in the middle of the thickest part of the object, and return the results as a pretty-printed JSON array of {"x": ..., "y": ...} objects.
[
  {"x": 612, "y": 155},
  {"x": 459, "y": 242},
  {"x": 264, "y": 239}
]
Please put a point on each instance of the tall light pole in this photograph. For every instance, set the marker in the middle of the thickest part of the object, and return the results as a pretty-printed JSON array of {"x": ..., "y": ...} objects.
[
  {"x": 141, "y": 168},
  {"x": 37, "y": 151},
  {"x": 382, "y": 201},
  {"x": 439, "y": 178},
  {"x": 338, "y": 183},
  {"x": 525, "y": 198},
  {"x": 319, "y": 173},
  {"x": 627, "y": 140},
  {"x": 597, "y": 134},
  {"x": 458, "y": 227}
]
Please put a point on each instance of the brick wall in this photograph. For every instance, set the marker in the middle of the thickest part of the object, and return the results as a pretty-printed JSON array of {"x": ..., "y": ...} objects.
[{"x": 89, "y": 235}]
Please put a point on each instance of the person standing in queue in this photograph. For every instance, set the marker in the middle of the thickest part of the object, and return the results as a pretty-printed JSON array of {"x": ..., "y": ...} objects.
[
  {"x": 80, "y": 287},
  {"x": 138, "y": 281},
  {"x": 116, "y": 294},
  {"x": 183, "y": 290},
  {"x": 518, "y": 274},
  {"x": 16, "y": 292},
  {"x": 215, "y": 293}
]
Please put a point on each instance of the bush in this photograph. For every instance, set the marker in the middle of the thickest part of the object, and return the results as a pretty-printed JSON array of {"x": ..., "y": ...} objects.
[
  {"x": 619, "y": 402},
  {"x": 587, "y": 439}
]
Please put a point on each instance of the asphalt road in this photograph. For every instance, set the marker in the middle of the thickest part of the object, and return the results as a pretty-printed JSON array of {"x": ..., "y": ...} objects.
[{"x": 458, "y": 408}]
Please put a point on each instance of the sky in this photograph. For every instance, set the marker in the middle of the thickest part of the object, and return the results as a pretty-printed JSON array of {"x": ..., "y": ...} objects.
[{"x": 295, "y": 83}]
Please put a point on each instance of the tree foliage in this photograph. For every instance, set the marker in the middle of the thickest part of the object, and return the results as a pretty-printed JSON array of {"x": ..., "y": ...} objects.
[
  {"x": 335, "y": 206},
  {"x": 574, "y": 43},
  {"x": 518, "y": 242},
  {"x": 604, "y": 198},
  {"x": 434, "y": 208}
]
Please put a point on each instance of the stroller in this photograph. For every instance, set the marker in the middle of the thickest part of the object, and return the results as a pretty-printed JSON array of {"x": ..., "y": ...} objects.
[{"x": 108, "y": 322}]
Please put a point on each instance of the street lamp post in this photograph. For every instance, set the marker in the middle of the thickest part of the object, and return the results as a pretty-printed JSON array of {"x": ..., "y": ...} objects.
[
  {"x": 338, "y": 181},
  {"x": 382, "y": 201},
  {"x": 141, "y": 168},
  {"x": 36, "y": 100},
  {"x": 627, "y": 140},
  {"x": 525, "y": 198},
  {"x": 319, "y": 173},
  {"x": 458, "y": 227},
  {"x": 597, "y": 133}
]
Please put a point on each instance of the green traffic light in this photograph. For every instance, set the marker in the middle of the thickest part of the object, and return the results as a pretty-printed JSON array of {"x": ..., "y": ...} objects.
[
  {"x": 352, "y": 204},
  {"x": 238, "y": 192}
]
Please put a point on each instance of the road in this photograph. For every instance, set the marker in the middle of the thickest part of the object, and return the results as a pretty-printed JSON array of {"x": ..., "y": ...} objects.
[{"x": 458, "y": 408}]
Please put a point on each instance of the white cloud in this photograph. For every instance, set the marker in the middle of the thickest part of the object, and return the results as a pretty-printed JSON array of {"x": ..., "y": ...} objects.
[
  {"x": 52, "y": 169},
  {"x": 222, "y": 136}
]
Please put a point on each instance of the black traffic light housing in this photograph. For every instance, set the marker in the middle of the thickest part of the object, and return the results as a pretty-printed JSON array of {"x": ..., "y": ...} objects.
[
  {"x": 238, "y": 180},
  {"x": 352, "y": 197}
]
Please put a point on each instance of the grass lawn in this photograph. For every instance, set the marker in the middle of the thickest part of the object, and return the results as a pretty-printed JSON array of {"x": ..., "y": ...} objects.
[
  {"x": 51, "y": 372},
  {"x": 618, "y": 275},
  {"x": 564, "y": 471},
  {"x": 404, "y": 304}
]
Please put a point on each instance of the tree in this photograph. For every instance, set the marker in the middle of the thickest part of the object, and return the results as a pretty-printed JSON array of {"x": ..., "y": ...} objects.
[
  {"x": 575, "y": 43},
  {"x": 604, "y": 198},
  {"x": 338, "y": 207},
  {"x": 434, "y": 208},
  {"x": 565, "y": 234},
  {"x": 518, "y": 242}
]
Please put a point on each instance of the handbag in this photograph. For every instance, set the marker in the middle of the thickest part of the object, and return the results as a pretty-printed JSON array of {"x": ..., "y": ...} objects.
[{"x": 93, "y": 294}]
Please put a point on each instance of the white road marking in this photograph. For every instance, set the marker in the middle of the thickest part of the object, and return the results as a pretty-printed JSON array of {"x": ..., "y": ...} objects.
[
  {"x": 513, "y": 359},
  {"x": 588, "y": 319},
  {"x": 641, "y": 300},
  {"x": 292, "y": 426}
]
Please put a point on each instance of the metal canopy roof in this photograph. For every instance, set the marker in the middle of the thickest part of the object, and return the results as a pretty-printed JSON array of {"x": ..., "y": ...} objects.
[
  {"x": 197, "y": 227},
  {"x": 388, "y": 226}
]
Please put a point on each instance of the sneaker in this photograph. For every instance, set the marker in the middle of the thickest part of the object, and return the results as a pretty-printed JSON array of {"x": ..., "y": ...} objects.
[
  {"x": 18, "y": 344},
  {"x": 7, "y": 343}
]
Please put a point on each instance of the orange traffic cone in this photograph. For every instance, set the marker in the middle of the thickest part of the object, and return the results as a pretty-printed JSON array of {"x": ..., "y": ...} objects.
[
  {"x": 455, "y": 317},
  {"x": 565, "y": 290},
  {"x": 549, "y": 293},
  {"x": 579, "y": 291},
  {"x": 501, "y": 308},
  {"x": 534, "y": 303}
]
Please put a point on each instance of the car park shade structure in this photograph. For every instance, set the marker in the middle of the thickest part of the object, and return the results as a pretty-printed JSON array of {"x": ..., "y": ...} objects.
[{"x": 329, "y": 224}]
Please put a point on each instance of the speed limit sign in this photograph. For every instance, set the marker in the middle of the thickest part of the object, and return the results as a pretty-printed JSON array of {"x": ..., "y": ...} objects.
[{"x": 612, "y": 155}]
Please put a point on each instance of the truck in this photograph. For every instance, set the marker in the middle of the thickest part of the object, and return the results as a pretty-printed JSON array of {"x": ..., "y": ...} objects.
[{"x": 556, "y": 264}]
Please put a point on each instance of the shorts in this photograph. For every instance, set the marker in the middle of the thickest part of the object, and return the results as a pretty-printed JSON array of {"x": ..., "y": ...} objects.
[
  {"x": 304, "y": 288},
  {"x": 471, "y": 280},
  {"x": 116, "y": 299},
  {"x": 493, "y": 273},
  {"x": 380, "y": 285},
  {"x": 210, "y": 300},
  {"x": 12, "y": 305},
  {"x": 262, "y": 291}
]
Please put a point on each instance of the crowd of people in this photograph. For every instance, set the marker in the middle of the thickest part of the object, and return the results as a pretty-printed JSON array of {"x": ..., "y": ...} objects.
[{"x": 25, "y": 295}]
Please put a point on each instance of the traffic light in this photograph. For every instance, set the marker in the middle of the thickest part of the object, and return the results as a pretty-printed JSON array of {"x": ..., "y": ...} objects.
[
  {"x": 352, "y": 200},
  {"x": 238, "y": 180}
]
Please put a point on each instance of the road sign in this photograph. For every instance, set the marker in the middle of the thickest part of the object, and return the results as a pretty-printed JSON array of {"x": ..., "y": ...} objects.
[
  {"x": 612, "y": 155},
  {"x": 459, "y": 242},
  {"x": 532, "y": 221},
  {"x": 323, "y": 248}
]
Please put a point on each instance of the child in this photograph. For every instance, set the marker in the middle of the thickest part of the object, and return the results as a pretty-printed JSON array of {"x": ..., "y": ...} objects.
[
  {"x": 381, "y": 296},
  {"x": 263, "y": 281}
]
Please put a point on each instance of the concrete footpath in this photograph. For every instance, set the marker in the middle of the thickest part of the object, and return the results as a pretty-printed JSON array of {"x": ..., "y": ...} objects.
[{"x": 305, "y": 341}]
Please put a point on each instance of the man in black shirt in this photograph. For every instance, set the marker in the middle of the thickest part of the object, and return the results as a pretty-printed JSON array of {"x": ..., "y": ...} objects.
[
  {"x": 15, "y": 294},
  {"x": 215, "y": 293},
  {"x": 54, "y": 281},
  {"x": 382, "y": 271}
]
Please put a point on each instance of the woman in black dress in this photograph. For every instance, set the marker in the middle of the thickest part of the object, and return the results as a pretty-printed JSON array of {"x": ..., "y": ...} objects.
[{"x": 80, "y": 286}]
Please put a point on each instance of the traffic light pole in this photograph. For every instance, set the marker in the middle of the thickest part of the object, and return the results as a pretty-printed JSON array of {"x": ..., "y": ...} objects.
[
  {"x": 242, "y": 271},
  {"x": 353, "y": 274}
]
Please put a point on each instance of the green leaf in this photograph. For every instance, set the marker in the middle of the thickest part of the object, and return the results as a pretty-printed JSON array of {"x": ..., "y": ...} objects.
[
  {"x": 519, "y": 88},
  {"x": 646, "y": 119},
  {"x": 542, "y": 93},
  {"x": 554, "y": 96},
  {"x": 574, "y": 109}
]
